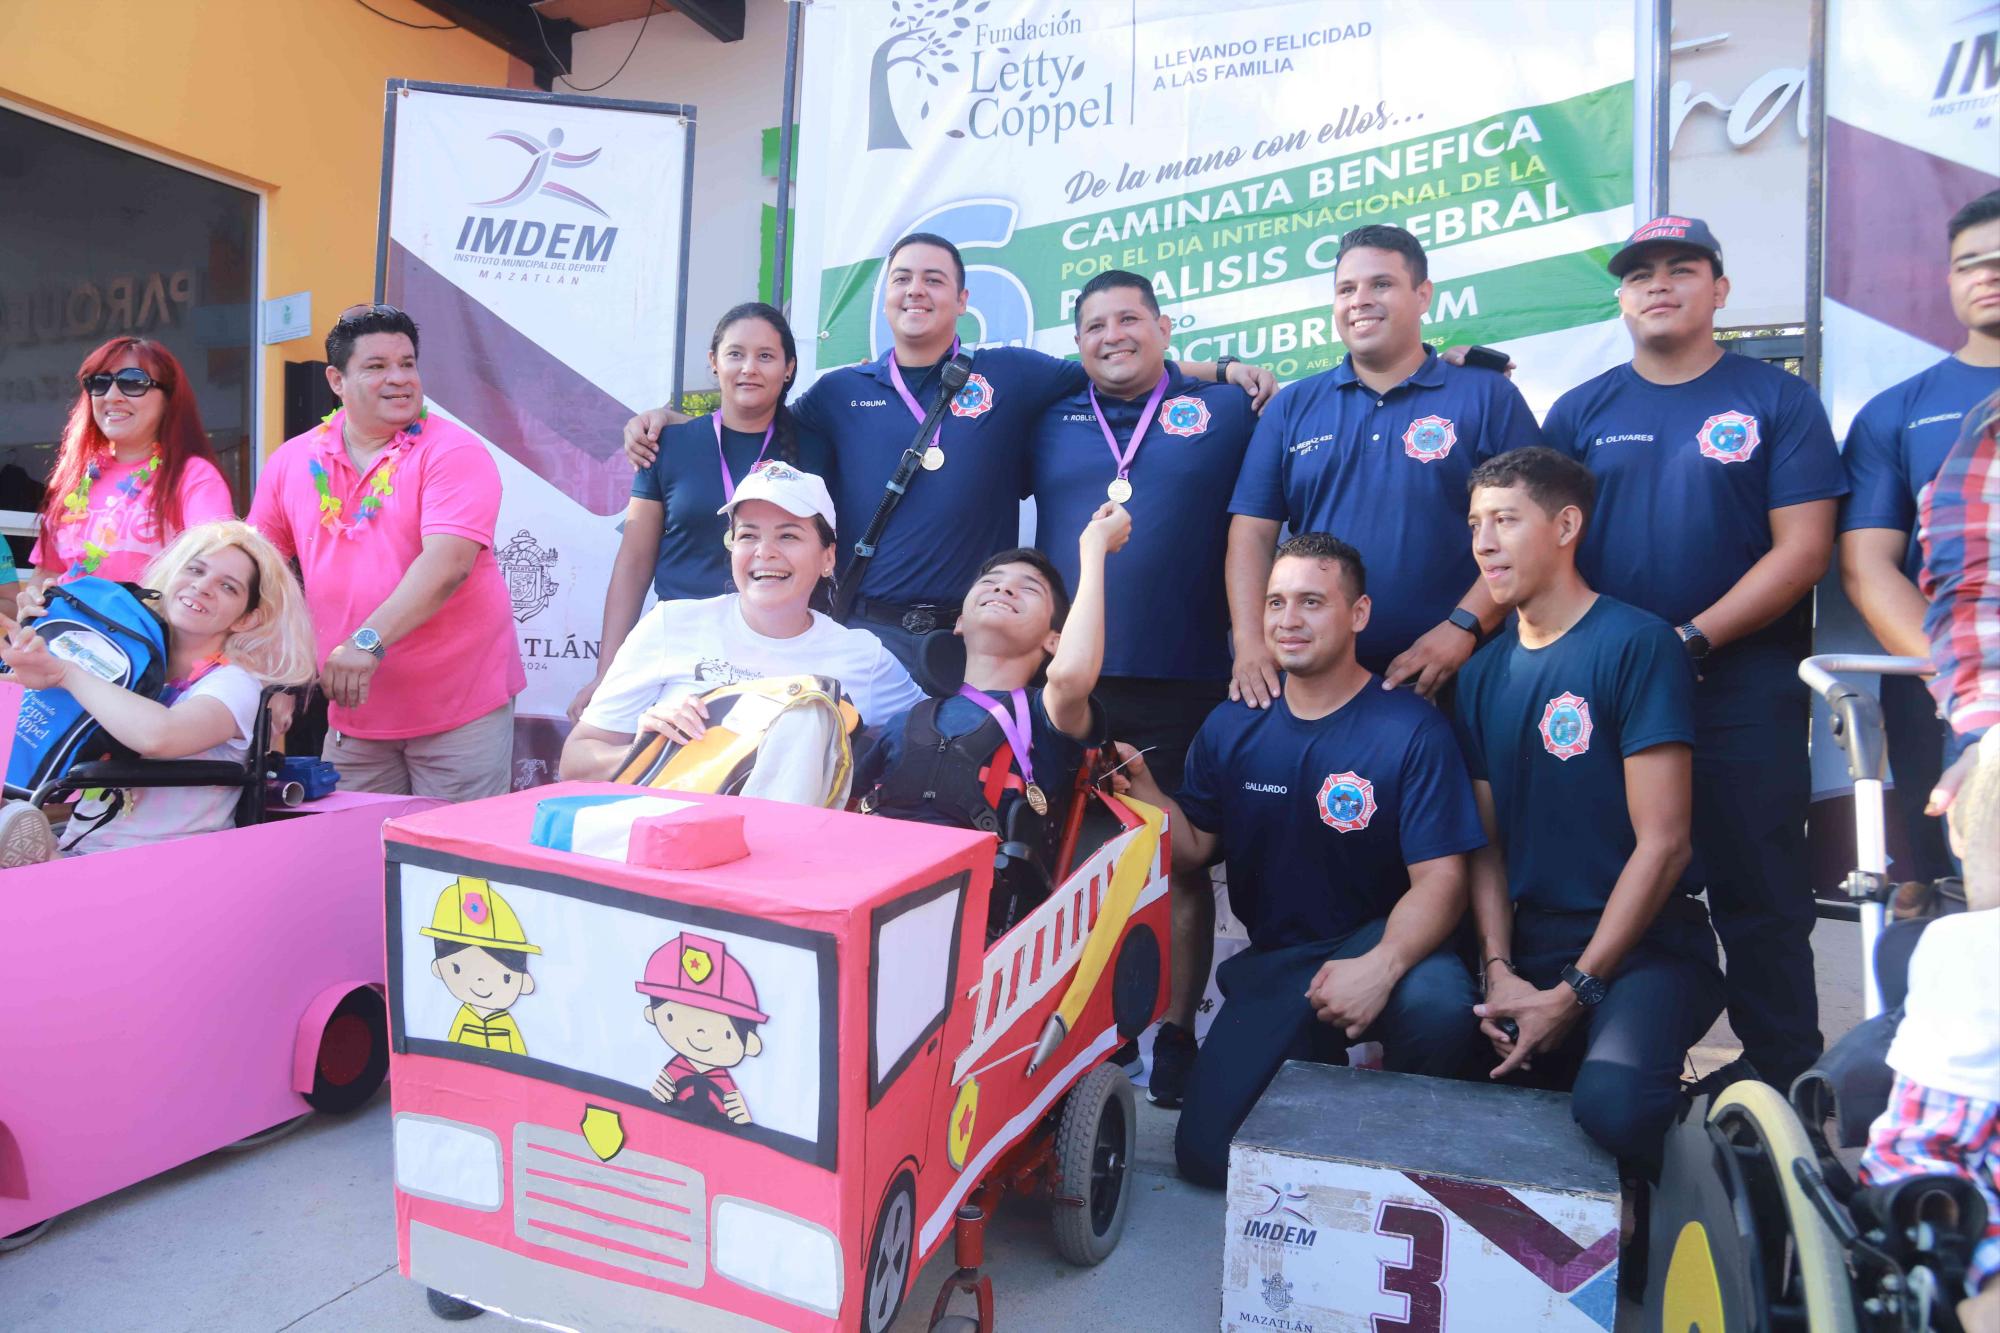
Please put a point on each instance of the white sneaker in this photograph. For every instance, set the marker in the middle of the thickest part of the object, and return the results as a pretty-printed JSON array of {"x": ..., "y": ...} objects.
[{"x": 25, "y": 836}]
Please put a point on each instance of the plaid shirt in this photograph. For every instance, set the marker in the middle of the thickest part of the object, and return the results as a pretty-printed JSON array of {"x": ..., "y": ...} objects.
[
  {"x": 1926, "y": 1131},
  {"x": 1959, "y": 518}
]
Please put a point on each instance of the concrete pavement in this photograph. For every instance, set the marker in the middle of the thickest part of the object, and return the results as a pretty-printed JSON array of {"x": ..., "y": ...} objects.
[{"x": 299, "y": 1235}]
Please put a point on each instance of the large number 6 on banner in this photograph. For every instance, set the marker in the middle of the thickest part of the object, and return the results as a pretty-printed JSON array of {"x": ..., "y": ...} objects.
[
  {"x": 1420, "y": 1278},
  {"x": 999, "y": 303}
]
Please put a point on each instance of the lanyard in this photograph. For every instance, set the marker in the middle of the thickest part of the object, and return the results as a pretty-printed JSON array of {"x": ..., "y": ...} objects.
[
  {"x": 1131, "y": 450},
  {"x": 910, "y": 401},
  {"x": 174, "y": 689},
  {"x": 729, "y": 482},
  {"x": 1014, "y": 728}
]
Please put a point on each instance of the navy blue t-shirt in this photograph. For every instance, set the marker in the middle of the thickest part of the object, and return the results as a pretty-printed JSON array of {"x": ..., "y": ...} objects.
[
  {"x": 1386, "y": 473},
  {"x": 1898, "y": 441},
  {"x": 1550, "y": 727},
  {"x": 1320, "y": 820},
  {"x": 951, "y": 519},
  {"x": 686, "y": 477},
  {"x": 1166, "y": 611},
  {"x": 1687, "y": 475},
  {"x": 1055, "y": 754}
]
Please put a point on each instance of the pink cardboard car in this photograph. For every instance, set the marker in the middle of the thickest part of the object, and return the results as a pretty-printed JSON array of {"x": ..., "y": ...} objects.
[
  {"x": 234, "y": 977},
  {"x": 754, "y": 1083}
]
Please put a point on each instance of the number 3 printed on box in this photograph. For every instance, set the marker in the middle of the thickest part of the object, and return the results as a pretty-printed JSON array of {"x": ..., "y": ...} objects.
[{"x": 1419, "y": 1279}]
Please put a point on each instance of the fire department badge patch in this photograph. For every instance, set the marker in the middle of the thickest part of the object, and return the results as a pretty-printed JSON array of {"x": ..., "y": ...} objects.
[
  {"x": 1185, "y": 415},
  {"x": 1566, "y": 726},
  {"x": 1346, "y": 801},
  {"x": 1429, "y": 439},
  {"x": 697, "y": 964},
  {"x": 1729, "y": 437},
  {"x": 975, "y": 399}
]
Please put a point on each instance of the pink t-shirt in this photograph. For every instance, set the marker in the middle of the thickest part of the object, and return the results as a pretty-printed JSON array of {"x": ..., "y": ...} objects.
[
  {"x": 118, "y": 529},
  {"x": 460, "y": 664}
]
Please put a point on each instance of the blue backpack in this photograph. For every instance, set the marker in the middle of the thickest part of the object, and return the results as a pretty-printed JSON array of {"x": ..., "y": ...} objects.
[{"x": 110, "y": 631}]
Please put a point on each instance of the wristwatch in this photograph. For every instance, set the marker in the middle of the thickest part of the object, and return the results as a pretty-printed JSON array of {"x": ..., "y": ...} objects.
[
  {"x": 368, "y": 641},
  {"x": 1222, "y": 365},
  {"x": 1696, "y": 643},
  {"x": 1466, "y": 621},
  {"x": 1589, "y": 990}
]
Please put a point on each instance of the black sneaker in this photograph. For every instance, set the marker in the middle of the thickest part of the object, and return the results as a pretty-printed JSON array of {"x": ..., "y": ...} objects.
[
  {"x": 1173, "y": 1057},
  {"x": 1126, "y": 1057}
]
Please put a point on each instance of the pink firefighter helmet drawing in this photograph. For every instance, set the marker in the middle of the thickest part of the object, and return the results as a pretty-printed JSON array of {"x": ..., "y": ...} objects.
[{"x": 694, "y": 969}]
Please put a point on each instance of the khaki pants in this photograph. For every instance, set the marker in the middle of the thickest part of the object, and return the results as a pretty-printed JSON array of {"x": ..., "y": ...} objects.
[{"x": 464, "y": 764}]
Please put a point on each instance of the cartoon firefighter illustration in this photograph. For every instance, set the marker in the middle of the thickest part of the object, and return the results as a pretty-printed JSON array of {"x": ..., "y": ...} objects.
[
  {"x": 704, "y": 1007},
  {"x": 482, "y": 959}
]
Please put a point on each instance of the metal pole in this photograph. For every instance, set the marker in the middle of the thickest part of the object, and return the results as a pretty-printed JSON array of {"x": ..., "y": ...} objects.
[
  {"x": 785, "y": 114},
  {"x": 1663, "y": 77},
  {"x": 1809, "y": 363}
]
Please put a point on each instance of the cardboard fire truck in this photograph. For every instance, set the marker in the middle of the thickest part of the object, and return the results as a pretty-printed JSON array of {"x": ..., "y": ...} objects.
[{"x": 705, "y": 1062}]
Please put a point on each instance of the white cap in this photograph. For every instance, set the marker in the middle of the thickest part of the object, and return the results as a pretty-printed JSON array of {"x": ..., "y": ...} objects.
[{"x": 800, "y": 494}]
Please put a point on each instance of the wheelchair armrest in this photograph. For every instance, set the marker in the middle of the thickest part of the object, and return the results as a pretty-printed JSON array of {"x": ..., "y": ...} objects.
[{"x": 153, "y": 773}]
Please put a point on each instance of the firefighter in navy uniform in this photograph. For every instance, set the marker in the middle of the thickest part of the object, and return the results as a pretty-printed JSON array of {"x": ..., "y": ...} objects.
[{"x": 1717, "y": 483}]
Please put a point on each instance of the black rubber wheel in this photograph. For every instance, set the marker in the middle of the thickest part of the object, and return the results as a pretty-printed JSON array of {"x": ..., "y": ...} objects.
[
  {"x": 264, "y": 1136},
  {"x": 26, "y": 1235},
  {"x": 450, "y": 1307},
  {"x": 1135, "y": 981},
  {"x": 1095, "y": 1139},
  {"x": 891, "y": 1256},
  {"x": 353, "y": 1054}
]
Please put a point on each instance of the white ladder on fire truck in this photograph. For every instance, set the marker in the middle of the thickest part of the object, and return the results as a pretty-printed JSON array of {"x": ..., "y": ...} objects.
[{"x": 1043, "y": 949}]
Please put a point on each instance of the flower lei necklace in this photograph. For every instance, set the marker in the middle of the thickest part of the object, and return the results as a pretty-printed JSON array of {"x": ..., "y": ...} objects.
[
  {"x": 379, "y": 488},
  {"x": 76, "y": 508}
]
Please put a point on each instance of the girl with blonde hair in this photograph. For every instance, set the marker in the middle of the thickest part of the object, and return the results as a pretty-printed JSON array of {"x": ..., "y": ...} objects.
[{"x": 236, "y": 622}]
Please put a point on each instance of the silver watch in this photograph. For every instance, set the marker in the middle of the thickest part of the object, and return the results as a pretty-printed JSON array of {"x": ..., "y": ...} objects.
[{"x": 368, "y": 641}]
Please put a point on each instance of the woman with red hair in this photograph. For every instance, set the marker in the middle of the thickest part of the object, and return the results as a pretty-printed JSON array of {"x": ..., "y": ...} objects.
[{"x": 134, "y": 469}]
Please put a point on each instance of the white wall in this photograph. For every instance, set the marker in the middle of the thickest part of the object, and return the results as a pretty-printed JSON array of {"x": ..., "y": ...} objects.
[
  {"x": 737, "y": 91},
  {"x": 1752, "y": 193}
]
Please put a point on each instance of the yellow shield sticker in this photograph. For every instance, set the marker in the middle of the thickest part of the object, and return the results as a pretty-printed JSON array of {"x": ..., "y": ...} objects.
[
  {"x": 964, "y": 1113},
  {"x": 1692, "y": 1299},
  {"x": 603, "y": 1131},
  {"x": 697, "y": 964}
]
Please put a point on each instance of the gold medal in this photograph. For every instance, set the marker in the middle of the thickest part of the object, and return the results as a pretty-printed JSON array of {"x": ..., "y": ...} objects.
[
  {"x": 1120, "y": 490},
  {"x": 933, "y": 459},
  {"x": 1037, "y": 800}
]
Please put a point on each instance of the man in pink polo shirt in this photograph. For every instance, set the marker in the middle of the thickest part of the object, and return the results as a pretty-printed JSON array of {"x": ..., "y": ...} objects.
[{"x": 390, "y": 511}]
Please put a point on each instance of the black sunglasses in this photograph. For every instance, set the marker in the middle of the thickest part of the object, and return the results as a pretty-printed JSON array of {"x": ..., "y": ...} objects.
[
  {"x": 363, "y": 311},
  {"x": 131, "y": 381}
]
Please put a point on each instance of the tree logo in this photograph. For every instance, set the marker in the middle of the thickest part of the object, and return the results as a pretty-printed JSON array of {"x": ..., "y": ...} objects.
[{"x": 923, "y": 35}]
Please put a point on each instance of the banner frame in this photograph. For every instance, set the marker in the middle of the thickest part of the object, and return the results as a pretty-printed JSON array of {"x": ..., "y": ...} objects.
[{"x": 683, "y": 111}]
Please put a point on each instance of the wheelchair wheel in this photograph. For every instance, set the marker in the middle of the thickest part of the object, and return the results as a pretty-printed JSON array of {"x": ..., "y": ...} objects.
[{"x": 1804, "y": 1270}]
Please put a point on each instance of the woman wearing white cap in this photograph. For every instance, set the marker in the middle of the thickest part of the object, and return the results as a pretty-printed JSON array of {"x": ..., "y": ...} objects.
[{"x": 781, "y": 525}]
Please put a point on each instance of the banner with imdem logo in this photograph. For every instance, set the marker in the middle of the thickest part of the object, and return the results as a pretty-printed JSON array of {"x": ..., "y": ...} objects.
[
  {"x": 540, "y": 244},
  {"x": 1222, "y": 153}
]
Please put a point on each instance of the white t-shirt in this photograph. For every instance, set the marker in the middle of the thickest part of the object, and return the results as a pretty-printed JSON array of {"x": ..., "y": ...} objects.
[
  {"x": 1949, "y": 1038},
  {"x": 155, "y": 814},
  {"x": 690, "y": 647}
]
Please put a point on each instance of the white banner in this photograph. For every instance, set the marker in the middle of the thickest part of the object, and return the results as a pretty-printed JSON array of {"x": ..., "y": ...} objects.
[
  {"x": 1222, "y": 155},
  {"x": 539, "y": 243}
]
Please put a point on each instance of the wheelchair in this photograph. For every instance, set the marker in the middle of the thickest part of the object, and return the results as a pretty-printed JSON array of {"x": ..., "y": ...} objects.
[
  {"x": 1758, "y": 1223},
  {"x": 254, "y": 776}
]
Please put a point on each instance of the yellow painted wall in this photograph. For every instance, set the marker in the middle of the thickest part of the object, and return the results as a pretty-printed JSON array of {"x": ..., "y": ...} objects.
[{"x": 281, "y": 94}]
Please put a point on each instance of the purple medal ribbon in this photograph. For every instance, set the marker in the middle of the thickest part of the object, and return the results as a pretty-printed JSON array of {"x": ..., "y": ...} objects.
[
  {"x": 729, "y": 482},
  {"x": 1014, "y": 728},
  {"x": 910, "y": 399},
  {"x": 1131, "y": 451}
]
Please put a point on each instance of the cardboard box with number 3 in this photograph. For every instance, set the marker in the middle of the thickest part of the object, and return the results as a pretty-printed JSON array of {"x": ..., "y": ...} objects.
[{"x": 1366, "y": 1200}]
